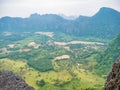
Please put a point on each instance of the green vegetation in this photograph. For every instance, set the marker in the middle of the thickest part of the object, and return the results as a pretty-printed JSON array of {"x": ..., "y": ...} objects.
[
  {"x": 40, "y": 83},
  {"x": 106, "y": 58},
  {"x": 68, "y": 66},
  {"x": 68, "y": 55},
  {"x": 52, "y": 79}
]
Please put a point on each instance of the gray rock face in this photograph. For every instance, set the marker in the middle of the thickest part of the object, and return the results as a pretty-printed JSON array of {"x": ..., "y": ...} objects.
[
  {"x": 11, "y": 81},
  {"x": 113, "y": 79}
]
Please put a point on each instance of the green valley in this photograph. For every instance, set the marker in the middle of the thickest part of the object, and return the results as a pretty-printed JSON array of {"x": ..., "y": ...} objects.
[
  {"x": 48, "y": 63},
  {"x": 53, "y": 53}
]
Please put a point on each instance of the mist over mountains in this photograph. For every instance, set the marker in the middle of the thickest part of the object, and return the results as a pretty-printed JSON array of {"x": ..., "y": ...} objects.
[{"x": 104, "y": 24}]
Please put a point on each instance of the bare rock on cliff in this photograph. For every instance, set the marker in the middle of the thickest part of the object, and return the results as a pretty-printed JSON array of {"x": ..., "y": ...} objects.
[
  {"x": 113, "y": 79},
  {"x": 11, "y": 81}
]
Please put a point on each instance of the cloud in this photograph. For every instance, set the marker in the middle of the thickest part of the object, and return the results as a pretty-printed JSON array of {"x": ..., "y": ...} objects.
[{"x": 68, "y": 7}]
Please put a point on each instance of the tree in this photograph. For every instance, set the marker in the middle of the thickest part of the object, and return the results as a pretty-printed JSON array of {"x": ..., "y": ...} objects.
[{"x": 40, "y": 83}]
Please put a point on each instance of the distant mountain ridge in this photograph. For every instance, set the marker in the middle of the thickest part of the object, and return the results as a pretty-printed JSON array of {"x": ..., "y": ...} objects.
[{"x": 104, "y": 24}]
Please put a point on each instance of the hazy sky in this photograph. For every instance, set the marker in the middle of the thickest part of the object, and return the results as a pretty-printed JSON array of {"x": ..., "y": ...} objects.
[{"x": 24, "y": 8}]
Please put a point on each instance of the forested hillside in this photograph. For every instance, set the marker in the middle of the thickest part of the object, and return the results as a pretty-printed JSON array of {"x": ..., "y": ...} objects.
[
  {"x": 104, "y": 24},
  {"x": 106, "y": 58}
]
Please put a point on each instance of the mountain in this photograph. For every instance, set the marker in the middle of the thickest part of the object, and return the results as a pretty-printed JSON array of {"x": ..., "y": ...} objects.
[
  {"x": 104, "y": 24},
  {"x": 107, "y": 14},
  {"x": 36, "y": 22},
  {"x": 108, "y": 57}
]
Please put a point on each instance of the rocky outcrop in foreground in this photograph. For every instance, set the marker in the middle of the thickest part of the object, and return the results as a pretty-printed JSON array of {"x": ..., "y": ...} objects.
[
  {"x": 113, "y": 79},
  {"x": 11, "y": 81}
]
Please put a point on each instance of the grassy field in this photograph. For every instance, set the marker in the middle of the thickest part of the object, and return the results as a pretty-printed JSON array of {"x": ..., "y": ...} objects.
[{"x": 63, "y": 79}]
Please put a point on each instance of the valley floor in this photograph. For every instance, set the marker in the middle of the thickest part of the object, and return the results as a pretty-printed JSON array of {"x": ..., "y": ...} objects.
[{"x": 47, "y": 62}]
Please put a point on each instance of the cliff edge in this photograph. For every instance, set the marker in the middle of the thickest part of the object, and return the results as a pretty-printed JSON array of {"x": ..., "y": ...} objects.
[
  {"x": 113, "y": 79},
  {"x": 11, "y": 81}
]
